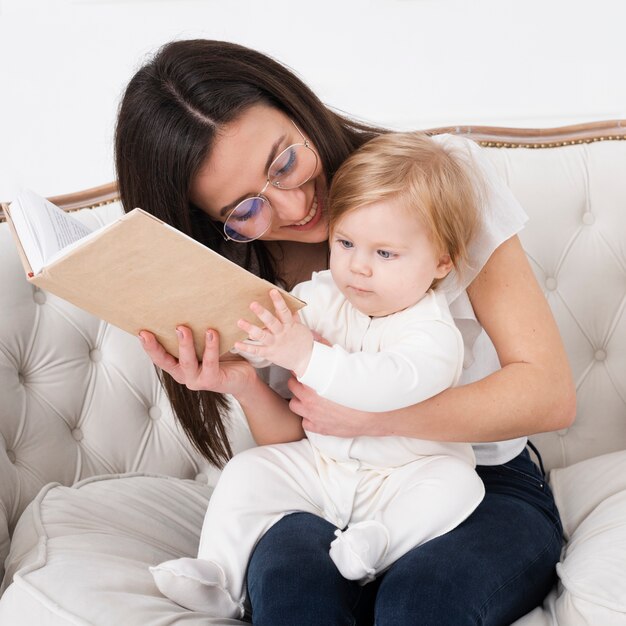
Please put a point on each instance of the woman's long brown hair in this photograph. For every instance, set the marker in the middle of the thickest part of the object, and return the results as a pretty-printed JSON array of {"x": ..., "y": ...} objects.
[{"x": 167, "y": 122}]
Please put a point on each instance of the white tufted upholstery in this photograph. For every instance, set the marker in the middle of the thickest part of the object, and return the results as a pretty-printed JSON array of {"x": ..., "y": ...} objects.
[
  {"x": 79, "y": 399},
  {"x": 576, "y": 240}
]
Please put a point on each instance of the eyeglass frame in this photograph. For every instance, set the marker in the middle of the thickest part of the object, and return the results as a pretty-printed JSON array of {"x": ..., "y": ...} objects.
[{"x": 306, "y": 144}]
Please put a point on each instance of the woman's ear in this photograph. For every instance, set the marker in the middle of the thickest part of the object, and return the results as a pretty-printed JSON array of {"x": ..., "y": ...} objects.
[{"x": 444, "y": 266}]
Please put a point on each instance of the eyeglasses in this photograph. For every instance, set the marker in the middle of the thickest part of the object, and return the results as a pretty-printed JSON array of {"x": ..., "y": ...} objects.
[{"x": 252, "y": 217}]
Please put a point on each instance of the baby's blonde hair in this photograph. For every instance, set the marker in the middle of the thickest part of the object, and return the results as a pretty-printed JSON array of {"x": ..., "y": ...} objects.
[{"x": 430, "y": 178}]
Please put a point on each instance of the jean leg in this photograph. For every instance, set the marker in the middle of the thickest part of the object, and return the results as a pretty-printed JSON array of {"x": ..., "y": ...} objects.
[
  {"x": 492, "y": 569},
  {"x": 292, "y": 580}
]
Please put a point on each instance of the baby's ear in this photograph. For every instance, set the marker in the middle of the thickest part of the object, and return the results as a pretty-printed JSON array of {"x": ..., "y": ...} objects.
[{"x": 444, "y": 266}]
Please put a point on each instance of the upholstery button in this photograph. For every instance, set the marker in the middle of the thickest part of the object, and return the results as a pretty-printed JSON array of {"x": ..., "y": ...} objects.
[
  {"x": 77, "y": 433},
  {"x": 11, "y": 456},
  {"x": 154, "y": 412},
  {"x": 599, "y": 355},
  {"x": 21, "y": 378},
  {"x": 39, "y": 296},
  {"x": 202, "y": 478},
  {"x": 550, "y": 284},
  {"x": 588, "y": 218},
  {"x": 95, "y": 355}
]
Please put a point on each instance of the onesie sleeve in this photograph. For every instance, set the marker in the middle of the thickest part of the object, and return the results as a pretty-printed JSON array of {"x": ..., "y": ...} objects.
[{"x": 422, "y": 364}]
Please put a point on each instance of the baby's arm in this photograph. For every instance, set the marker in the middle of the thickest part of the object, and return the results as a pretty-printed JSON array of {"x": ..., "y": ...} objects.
[
  {"x": 422, "y": 360},
  {"x": 284, "y": 340},
  {"x": 421, "y": 363}
]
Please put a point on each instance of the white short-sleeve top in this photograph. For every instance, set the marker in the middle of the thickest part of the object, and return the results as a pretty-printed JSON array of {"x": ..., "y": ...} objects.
[{"x": 502, "y": 218}]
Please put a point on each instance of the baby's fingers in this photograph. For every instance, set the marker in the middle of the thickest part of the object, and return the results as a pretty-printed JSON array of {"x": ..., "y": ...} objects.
[
  {"x": 280, "y": 306},
  {"x": 254, "y": 332},
  {"x": 274, "y": 325},
  {"x": 252, "y": 349},
  {"x": 245, "y": 325}
]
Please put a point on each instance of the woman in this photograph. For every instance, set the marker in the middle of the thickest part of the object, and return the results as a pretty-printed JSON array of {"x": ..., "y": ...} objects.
[{"x": 230, "y": 147}]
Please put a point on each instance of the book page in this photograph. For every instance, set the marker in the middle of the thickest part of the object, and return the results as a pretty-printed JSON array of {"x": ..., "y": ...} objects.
[
  {"x": 65, "y": 251},
  {"x": 43, "y": 228}
]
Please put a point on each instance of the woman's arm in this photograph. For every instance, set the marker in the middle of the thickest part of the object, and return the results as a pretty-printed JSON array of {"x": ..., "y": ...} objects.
[
  {"x": 533, "y": 392},
  {"x": 268, "y": 415}
]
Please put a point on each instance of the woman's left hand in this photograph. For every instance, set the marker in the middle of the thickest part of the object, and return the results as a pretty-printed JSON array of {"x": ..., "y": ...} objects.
[
  {"x": 322, "y": 416},
  {"x": 233, "y": 376}
]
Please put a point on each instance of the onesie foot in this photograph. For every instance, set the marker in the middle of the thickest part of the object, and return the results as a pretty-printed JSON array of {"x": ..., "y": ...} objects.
[
  {"x": 359, "y": 550},
  {"x": 197, "y": 585}
]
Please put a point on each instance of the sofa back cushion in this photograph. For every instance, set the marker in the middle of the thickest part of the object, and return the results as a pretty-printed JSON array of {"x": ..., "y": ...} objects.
[
  {"x": 575, "y": 196},
  {"x": 79, "y": 398}
]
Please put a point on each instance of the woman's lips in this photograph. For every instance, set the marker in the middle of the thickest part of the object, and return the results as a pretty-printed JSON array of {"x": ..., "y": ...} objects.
[
  {"x": 311, "y": 219},
  {"x": 310, "y": 215}
]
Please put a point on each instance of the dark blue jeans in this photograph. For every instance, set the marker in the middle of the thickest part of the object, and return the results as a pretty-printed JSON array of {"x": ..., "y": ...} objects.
[{"x": 492, "y": 569}]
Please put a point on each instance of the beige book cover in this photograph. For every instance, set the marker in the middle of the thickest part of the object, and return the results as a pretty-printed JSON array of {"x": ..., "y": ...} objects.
[{"x": 139, "y": 273}]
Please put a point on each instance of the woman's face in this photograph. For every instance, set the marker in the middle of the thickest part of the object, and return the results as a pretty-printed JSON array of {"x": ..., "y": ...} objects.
[{"x": 237, "y": 169}]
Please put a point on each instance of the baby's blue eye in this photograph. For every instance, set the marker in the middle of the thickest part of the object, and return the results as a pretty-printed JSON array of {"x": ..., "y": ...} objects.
[
  {"x": 384, "y": 254},
  {"x": 344, "y": 243}
]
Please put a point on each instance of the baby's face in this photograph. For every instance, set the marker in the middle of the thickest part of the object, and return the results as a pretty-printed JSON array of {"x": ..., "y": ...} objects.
[{"x": 382, "y": 258}]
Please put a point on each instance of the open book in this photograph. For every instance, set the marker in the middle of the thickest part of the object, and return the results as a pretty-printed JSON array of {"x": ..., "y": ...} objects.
[{"x": 138, "y": 273}]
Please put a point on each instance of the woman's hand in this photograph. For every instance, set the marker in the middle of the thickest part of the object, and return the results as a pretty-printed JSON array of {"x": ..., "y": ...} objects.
[
  {"x": 233, "y": 377},
  {"x": 268, "y": 415},
  {"x": 328, "y": 418}
]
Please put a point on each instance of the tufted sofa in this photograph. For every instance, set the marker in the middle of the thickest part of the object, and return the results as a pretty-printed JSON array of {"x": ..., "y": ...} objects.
[{"x": 98, "y": 482}]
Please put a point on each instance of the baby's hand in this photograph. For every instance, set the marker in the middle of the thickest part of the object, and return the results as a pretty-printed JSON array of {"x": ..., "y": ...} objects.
[{"x": 284, "y": 340}]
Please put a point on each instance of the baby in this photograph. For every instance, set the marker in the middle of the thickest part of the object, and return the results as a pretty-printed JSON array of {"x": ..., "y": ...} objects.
[{"x": 403, "y": 210}]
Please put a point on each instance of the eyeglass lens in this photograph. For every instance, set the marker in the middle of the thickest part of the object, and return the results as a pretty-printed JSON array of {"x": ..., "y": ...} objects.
[
  {"x": 248, "y": 220},
  {"x": 291, "y": 168}
]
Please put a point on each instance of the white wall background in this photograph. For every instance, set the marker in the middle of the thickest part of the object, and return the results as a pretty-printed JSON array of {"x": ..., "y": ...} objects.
[{"x": 401, "y": 63}]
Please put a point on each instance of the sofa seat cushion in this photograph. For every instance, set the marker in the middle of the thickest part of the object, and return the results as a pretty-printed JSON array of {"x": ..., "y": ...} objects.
[
  {"x": 593, "y": 570},
  {"x": 591, "y": 496},
  {"x": 80, "y": 555},
  {"x": 580, "y": 488}
]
